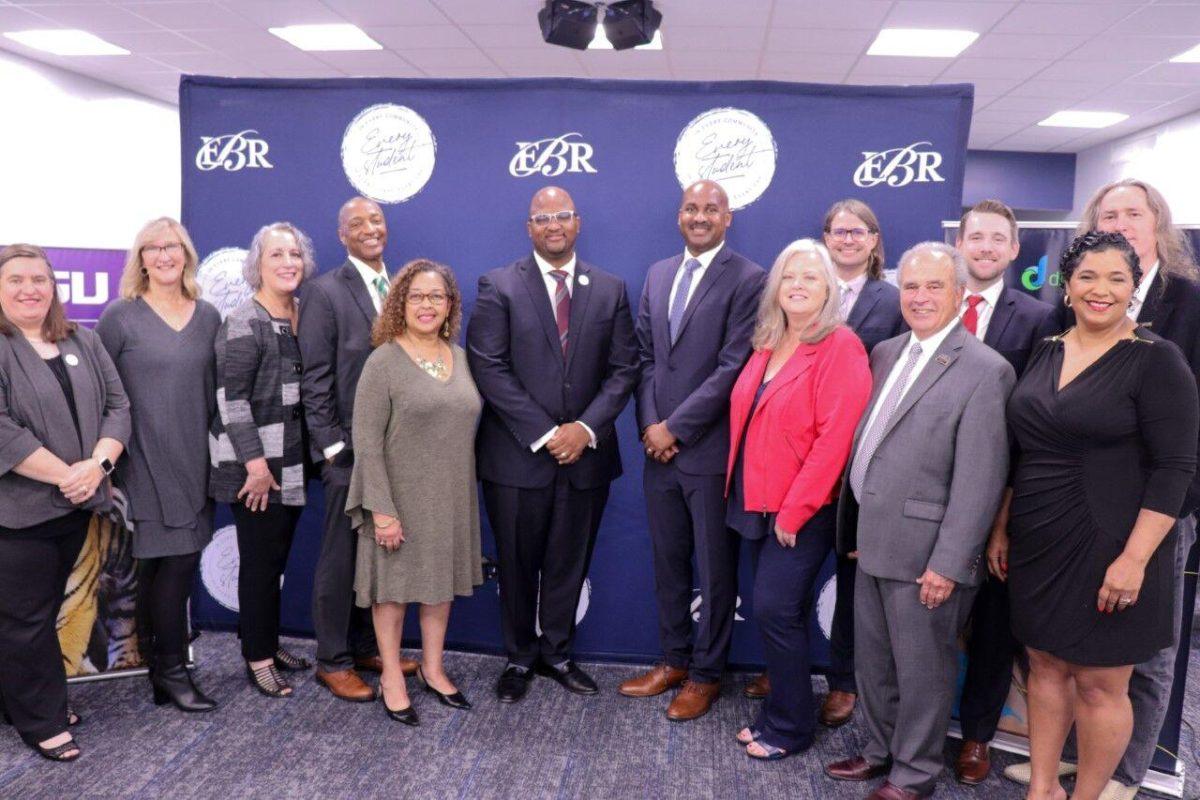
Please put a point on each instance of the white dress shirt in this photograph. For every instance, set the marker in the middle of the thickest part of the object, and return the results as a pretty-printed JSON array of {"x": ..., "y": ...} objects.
[
  {"x": 369, "y": 276},
  {"x": 551, "y": 290},
  {"x": 991, "y": 296},
  {"x": 851, "y": 291},
  {"x": 1139, "y": 295},
  {"x": 928, "y": 348},
  {"x": 705, "y": 259}
]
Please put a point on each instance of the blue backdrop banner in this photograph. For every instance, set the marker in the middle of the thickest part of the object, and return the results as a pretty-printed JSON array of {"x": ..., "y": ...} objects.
[{"x": 454, "y": 165}]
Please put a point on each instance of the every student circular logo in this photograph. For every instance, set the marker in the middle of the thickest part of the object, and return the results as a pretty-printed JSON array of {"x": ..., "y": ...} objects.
[
  {"x": 388, "y": 152},
  {"x": 219, "y": 567},
  {"x": 730, "y": 146},
  {"x": 221, "y": 281}
]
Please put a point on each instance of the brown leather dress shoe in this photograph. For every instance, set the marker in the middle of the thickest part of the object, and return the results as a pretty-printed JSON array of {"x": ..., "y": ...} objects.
[
  {"x": 856, "y": 769},
  {"x": 375, "y": 664},
  {"x": 346, "y": 685},
  {"x": 758, "y": 688},
  {"x": 890, "y": 791},
  {"x": 973, "y": 764},
  {"x": 694, "y": 700},
  {"x": 837, "y": 708},
  {"x": 654, "y": 682}
]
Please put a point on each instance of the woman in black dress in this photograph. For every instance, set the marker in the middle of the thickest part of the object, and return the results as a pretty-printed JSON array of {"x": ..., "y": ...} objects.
[{"x": 1105, "y": 420}]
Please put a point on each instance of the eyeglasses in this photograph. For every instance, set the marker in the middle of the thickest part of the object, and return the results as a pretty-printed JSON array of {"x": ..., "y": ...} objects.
[
  {"x": 172, "y": 249},
  {"x": 542, "y": 220},
  {"x": 857, "y": 234},
  {"x": 435, "y": 298}
]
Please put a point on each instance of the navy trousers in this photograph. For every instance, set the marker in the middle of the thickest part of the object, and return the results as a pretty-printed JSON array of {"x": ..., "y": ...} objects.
[{"x": 783, "y": 601}]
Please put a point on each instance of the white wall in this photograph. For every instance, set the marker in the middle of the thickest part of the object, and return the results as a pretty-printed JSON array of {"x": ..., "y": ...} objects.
[
  {"x": 1166, "y": 156},
  {"x": 82, "y": 163}
]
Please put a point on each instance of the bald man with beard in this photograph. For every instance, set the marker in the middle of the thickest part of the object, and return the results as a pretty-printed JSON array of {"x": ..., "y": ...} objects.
[{"x": 551, "y": 347}]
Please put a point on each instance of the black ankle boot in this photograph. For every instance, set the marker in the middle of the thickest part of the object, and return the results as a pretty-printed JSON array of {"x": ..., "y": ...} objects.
[{"x": 173, "y": 683}]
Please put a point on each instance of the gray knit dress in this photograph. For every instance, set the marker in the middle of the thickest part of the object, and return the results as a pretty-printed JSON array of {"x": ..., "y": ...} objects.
[{"x": 414, "y": 459}]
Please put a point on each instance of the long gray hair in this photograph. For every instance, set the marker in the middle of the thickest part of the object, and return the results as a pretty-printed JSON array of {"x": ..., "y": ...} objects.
[{"x": 772, "y": 322}]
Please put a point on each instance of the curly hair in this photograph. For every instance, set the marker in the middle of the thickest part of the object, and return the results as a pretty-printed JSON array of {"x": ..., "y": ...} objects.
[
  {"x": 390, "y": 322},
  {"x": 1097, "y": 242}
]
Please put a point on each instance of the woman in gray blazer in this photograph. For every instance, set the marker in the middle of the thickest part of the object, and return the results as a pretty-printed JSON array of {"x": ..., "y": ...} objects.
[
  {"x": 64, "y": 421},
  {"x": 256, "y": 442}
]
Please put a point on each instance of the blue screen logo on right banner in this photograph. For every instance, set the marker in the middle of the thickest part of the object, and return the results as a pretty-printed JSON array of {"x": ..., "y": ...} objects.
[{"x": 1034, "y": 277}]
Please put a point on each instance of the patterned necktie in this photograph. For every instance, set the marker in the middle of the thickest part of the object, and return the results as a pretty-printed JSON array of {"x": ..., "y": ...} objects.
[
  {"x": 679, "y": 301},
  {"x": 562, "y": 305},
  {"x": 970, "y": 317},
  {"x": 872, "y": 438},
  {"x": 847, "y": 299},
  {"x": 381, "y": 287}
]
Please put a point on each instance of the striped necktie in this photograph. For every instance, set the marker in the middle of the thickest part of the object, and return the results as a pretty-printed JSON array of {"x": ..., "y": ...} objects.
[{"x": 562, "y": 305}]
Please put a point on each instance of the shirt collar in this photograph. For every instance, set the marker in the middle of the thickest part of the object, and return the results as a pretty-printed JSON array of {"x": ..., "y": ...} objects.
[
  {"x": 706, "y": 257},
  {"x": 1143, "y": 288},
  {"x": 931, "y": 345},
  {"x": 991, "y": 294},
  {"x": 546, "y": 267},
  {"x": 368, "y": 275},
  {"x": 855, "y": 286}
]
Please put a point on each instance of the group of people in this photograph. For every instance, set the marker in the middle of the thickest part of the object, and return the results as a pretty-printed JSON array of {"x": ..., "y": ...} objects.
[{"x": 975, "y": 457}]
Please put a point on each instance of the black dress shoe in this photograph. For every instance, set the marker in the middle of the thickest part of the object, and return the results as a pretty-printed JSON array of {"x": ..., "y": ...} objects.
[
  {"x": 406, "y": 715},
  {"x": 569, "y": 676},
  {"x": 513, "y": 684},
  {"x": 454, "y": 700}
]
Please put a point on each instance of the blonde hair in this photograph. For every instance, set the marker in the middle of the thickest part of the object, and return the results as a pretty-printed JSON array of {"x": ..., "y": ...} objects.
[
  {"x": 135, "y": 280},
  {"x": 1175, "y": 256},
  {"x": 772, "y": 323}
]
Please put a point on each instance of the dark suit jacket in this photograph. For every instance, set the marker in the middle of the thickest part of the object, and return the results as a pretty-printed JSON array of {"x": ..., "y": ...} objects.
[
  {"x": 527, "y": 385},
  {"x": 1018, "y": 323},
  {"x": 688, "y": 383},
  {"x": 876, "y": 314},
  {"x": 336, "y": 315}
]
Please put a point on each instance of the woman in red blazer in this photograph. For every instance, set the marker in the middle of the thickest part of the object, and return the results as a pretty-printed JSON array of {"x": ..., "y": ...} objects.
[{"x": 792, "y": 417}]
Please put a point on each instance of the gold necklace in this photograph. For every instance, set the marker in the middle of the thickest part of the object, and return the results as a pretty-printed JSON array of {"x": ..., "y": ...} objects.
[{"x": 435, "y": 368}]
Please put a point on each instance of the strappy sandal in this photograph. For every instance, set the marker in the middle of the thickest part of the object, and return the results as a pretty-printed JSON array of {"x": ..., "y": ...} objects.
[
  {"x": 772, "y": 752},
  {"x": 268, "y": 681},
  {"x": 67, "y": 751},
  {"x": 290, "y": 662},
  {"x": 755, "y": 735}
]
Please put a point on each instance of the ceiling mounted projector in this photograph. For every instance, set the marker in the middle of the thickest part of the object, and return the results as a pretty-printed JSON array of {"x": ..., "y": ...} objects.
[{"x": 572, "y": 23}]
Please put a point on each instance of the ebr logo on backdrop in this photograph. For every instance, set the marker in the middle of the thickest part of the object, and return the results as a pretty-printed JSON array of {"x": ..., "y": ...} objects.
[
  {"x": 233, "y": 152},
  {"x": 730, "y": 146},
  {"x": 388, "y": 152},
  {"x": 550, "y": 157},
  {"x": 899, "y": 166}
]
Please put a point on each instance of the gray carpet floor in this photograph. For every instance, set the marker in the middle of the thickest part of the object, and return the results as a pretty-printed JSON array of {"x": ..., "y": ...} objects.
[{"x": 551, "y": 745}]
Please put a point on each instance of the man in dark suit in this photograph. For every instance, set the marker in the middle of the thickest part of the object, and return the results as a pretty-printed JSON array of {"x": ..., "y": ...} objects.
[
  {"x": 1011, "y": 323},
  {"x": 694, "y": 326},
  {"x": 871, "y": 308},
  {"x": 552, "y": 350},
  {"x": 337, "y": 311}
]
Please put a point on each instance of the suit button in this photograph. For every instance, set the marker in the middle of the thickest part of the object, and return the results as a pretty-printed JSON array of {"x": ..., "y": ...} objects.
[
  {"x": 298, "y": 368},
  {"x": 296, "y": 412},
  {"x": 567, "y": 386}
]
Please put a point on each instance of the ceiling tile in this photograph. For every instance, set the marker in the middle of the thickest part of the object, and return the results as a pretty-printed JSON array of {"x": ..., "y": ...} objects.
[
  {"x": 362, "y": 63},
  {"x": 17, "y": 19},
  {"x": 927, "y": 68},
  {"x": 714, "y": 38},
  {"x": 506, "y": 36},
  {"x": 465, "y": 72},
  {"x": 1057, "y": 90},
  {"x": 152, "y": 43},
  {"x": 812, "y": 75},
  {"x": 94, "y": 17},
  {"x": 374, "y": 12},
  {"x": 1118, "y": 46},
  {"x": 489, "y": 12},
  {"x": 1011, "y": 45},
  {"x": 977, "y": 17},
  {"x": 687, "y": 63},
  {"x": 526, "y": 58},
  {"x": 209, "y": 64},
  {"x": 1101, "y": 71},
  {"x": 1051, "y": 18},
  {"x": 187, "y": 16},
  {"x": 1037, "y": 105},
  {"x": 277, "y": 13},
  {"x": 439, "y": 60},
  {"x": 418, "y": 37},
  {"x": 824, "y": 62},
  {"x": 972, "y": 68},
  {"x": 1009, "y": 117},
  {"x": 1151, "y": 92},
  {"x": 831, "y": 14},
  {"x": 684, "y": 13},
  {"x": 1176, "y": 18},
  {"x": 1188, "y": 74},
  {"x": 819, "y": 41}
]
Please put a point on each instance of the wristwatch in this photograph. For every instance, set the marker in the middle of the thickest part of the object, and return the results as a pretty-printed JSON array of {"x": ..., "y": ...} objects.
[{"x": 106, "y": 465}]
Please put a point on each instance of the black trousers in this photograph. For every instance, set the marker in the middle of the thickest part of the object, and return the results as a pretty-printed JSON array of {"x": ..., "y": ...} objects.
[
  {"x": 990, "y": 654},
  {"x": 33, "y": 576},
  {"x": 841, "y": 634},
  {"x": 264, "y": 541},
  {"x": 164, "y": 585},
  {"x": 343, "y": 631},
  {"x": 687, "y": 517},
  {"x": 544, "y": 538}
]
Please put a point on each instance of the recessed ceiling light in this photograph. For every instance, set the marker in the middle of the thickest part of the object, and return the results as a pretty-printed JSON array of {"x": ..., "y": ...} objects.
[
  {"x": 921, "y": 42},
  {"x": 1188, "y": 56},
  {"x": 600, "y": 41},
  {"x": 1083, "y": 119},
  {"x": 66, "y": 43},
  {"x": 326, "y": 37}
]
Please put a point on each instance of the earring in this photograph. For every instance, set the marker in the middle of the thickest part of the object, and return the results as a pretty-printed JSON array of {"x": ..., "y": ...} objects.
[
  {"x": 446, "y": 329},
  {"x": 144, "y": 271},
  {"x": 1066, "y": 301}
]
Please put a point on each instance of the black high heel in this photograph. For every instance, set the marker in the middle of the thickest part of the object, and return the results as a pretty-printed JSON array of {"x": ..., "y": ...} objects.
[
  {"x": 172, "y": 683},
  {"x": 455, "y": 700},
  {"x": 406, "y": 715},
  {"x": 290, "y": 662},
  {"x": 268, "y": 681},
  {"x": 67, "y": 751}
]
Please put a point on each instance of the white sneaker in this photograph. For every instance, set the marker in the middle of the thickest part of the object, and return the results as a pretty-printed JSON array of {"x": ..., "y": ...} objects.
[
  {"x": 1022, "y": 773},
  {"x": 1115, "y": 790}
]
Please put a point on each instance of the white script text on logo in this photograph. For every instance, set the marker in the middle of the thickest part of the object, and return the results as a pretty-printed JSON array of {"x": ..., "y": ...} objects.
[
  {"x": 899, "y": 166},
  {"x": 550, "y": 157},
  {"x": 232, "y": 152}
]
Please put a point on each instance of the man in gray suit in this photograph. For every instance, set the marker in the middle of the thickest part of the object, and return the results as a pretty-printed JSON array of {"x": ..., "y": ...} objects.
[{"x": 923, "y": 484}]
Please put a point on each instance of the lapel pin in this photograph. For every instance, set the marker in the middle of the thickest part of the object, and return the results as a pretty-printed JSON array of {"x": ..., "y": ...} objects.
[
  {"x": 944, "y": 360},
  {"x": 583, "y": 280},
  {"x": 71, "y": 360}
]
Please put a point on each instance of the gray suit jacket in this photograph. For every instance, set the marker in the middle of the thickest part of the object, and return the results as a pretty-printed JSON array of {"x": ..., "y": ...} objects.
[
  {"x": 34, "y": 413},
  {"x": 934, "y": 483}
]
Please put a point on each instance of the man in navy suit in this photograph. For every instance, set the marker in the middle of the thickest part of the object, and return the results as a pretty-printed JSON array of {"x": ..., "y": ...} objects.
[
  {"x": 552, "y": 351},
  {"x": 694, "y": 326},
  {"x": 1011, "y": 323}
]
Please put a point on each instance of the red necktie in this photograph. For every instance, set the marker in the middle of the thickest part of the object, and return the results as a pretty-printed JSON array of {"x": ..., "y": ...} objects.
[
  {"x": 970, "y": 317},
  {"x": 562, "y": 305}
]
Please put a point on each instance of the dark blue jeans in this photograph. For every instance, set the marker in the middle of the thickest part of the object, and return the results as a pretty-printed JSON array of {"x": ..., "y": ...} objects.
[{"x": 783, "y": 601}]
